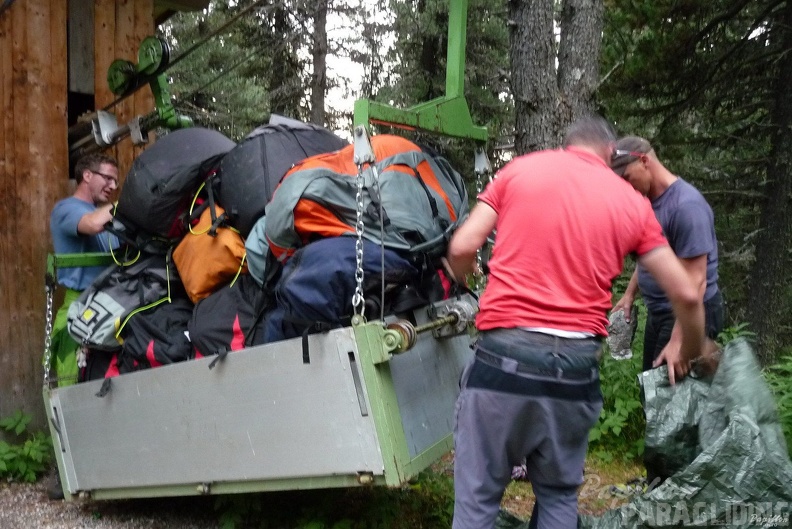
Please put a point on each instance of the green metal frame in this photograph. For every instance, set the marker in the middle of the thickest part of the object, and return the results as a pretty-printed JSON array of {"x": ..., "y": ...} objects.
[
  {"x": 448, "y": 115},
  {"x": 75, "y": 260},
  {"x": 375, "y": 344}
]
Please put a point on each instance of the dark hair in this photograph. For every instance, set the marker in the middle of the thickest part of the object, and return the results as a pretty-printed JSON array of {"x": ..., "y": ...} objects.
[
  {"x": 92, "y": 162},
  {"x": 592, "y": 131}
]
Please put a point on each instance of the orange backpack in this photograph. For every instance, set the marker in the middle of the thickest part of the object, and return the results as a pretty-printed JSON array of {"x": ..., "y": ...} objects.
[
  {"x": 205, "y": 262},
  {"x": 420, "y": 197}
]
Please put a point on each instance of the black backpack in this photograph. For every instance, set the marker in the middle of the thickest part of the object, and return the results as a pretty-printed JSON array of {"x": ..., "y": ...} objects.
[
  {"x": 157, "y": 337},
  {"x": 229, "y": 319},
  {"x": 164, "y": 179},
  {"x": 250, "y": 173}
]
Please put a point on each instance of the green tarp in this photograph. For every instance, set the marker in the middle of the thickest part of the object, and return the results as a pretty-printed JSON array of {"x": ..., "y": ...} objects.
[{"x": 721, "y": 441}]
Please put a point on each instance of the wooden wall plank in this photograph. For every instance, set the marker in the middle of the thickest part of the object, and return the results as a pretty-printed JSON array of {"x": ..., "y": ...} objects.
[
  {"x": 53, "y": 183},
  {"x": 126, "y": 47},
  {"x": 104, "y": 53},
  {"x": 12, "y": 361},
  {"x": 7, "y": 185},
  {"x": 59, "y": 79},
  {"x": 144, "y": 27},
  {"x": 32, "y": 218}
]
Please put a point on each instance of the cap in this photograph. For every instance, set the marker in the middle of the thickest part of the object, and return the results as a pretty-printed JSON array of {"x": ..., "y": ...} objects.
[{"x": 628, "y": 149}]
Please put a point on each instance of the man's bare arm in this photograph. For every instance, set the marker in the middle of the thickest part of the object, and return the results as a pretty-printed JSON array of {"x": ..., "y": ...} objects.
[
  {"x": 468, "y": 238},
  {"x": 686, "y": 300}
]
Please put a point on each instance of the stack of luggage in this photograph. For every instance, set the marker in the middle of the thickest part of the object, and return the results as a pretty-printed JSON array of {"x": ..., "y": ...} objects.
[{"x": 227, "y": 246}]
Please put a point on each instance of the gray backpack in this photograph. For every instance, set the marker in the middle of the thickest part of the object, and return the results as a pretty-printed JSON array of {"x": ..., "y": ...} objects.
[
  {"x": 414, "y": 206},
  {"x": 98, "y": 316}
]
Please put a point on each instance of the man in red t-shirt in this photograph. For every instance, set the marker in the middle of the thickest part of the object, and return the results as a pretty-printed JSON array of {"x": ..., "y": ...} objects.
[{"x": 564, "y": 224}]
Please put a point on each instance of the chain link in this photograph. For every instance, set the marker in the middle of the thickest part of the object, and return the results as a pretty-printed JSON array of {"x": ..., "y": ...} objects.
[
  {"x": 480, "y": 278},
  {"x": 50, "y": 291},
  {"x": 358, "y": 301}
]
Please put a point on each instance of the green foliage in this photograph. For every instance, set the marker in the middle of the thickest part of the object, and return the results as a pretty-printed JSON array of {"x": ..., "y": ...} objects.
[
  {"x": 619, "y": 431},
  {"x": 28, "y": 460},
  {"x": 621, "y": 425},
  {"x": 733, "y": 332},
  {"x": 778, "y": 377},
  {"x": 428, "y": 502}
]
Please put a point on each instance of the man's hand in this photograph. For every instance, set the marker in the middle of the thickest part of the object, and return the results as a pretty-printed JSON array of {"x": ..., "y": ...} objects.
[
  {"x": 624, "y": 304},
  {"x": 628, "y": 298},
  {"x": 678, "y": 364}
]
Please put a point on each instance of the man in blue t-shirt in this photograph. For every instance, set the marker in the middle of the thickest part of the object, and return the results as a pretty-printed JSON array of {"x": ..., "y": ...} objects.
[
  {"x": 77, "y": 226},
  {"x": 689, "y": 225}
]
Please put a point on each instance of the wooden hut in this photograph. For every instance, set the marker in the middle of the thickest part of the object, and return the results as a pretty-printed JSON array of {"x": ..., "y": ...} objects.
[{"x": 54, "y": 57}]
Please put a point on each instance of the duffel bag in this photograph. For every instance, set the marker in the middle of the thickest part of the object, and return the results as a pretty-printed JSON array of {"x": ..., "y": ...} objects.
[{"x": 206, "y": 262}]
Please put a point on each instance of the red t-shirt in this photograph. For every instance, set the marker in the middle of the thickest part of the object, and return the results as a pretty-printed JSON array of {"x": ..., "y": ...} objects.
[{"x": 565, "y": 224}]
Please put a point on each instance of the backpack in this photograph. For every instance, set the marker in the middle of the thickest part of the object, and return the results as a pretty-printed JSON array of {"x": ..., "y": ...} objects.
[
  {"x": 206, "y": 261},
  {"x": 164, "y": 178},
  {"x": 315, "y": 289},
  {"x": 421, "y": 199},
  {"x": 228, "y": 319},
  {"x": 250, "y": 172},
  {"x": 98, "y": 316},
  {"x": 157, "y": 337}
]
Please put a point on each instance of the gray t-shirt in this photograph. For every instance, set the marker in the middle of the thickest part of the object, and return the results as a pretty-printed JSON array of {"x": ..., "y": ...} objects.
[{"x": 689, "y": 225}]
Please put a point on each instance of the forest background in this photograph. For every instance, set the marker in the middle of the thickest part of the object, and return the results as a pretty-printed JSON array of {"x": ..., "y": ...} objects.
[{"x": 708, "y": 83}]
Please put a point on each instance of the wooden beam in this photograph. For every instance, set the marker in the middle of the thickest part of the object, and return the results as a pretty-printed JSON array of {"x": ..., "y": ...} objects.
[{"x": 143, "y": 100}]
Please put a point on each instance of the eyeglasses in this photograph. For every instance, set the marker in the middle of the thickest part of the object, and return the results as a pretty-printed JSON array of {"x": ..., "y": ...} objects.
[
  {"x": 619, "y": 152},
  {"x": 107, "y": 177}
]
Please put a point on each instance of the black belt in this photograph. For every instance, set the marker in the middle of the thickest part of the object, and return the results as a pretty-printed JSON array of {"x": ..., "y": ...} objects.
[{"x": 498, "y": 361}]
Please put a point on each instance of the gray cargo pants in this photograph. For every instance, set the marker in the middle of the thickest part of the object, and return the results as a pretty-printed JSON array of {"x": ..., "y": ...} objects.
[{"x": 532, "y": 395}]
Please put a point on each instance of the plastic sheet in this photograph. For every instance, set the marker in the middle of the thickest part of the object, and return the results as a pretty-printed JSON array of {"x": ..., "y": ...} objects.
[{"x": 723, "y": 437}]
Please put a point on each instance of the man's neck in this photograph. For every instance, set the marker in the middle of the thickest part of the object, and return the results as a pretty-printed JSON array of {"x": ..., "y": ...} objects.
[
  {"x": 661, "y": 181},
  {"x": 84, "y": 194}
]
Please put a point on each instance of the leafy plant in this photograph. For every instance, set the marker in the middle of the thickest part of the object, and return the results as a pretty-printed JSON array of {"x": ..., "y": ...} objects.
[
  {"x": 735, "y": 331},
  {"x": 778, "y": 376},
  {"x": 620, "y": 428},
  {"x": 621, "y": 424},
  {"x": 426, "y": 502},
  {"x": 28, "y": 460}
]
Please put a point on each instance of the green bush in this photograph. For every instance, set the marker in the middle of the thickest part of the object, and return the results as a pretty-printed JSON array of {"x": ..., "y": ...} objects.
[
  {"x": 428, "y": 502},
  {"x": 620, "y": 428},
  {"x": 739, "y": 330},
  {"x": 778, "y": 377},
  {"x": 619, "y": 432},
  {"x": 28, "y": 460}
]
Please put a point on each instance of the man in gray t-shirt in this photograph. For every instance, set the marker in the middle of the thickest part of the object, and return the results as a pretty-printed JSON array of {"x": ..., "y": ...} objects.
[{"x": 688, "y": 224}]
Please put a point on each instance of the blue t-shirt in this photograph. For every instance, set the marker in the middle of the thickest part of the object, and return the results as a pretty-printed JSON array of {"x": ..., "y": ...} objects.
[
  {"x": 689, "y": 225},
  {"x": 63, "y": 225}
]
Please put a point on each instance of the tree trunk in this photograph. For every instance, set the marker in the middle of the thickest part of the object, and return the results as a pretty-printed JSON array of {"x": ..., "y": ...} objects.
[
  {"x": 769, "y": 305},
  {"x": 533, "y": 80},
  {"x": 578, "y": 59},
  {"x": 551, "y": 89},
  {"x": 285, "y": 86},
  {"x": 319, "y": 77}
]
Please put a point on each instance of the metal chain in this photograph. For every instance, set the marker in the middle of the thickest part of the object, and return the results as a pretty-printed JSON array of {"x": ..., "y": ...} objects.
[
  {"x": 50, "y": 290},
  {"x": 358, "y": 302},
  {"x": 481, "y": 278},
  {"x": 479, "y": 261}
]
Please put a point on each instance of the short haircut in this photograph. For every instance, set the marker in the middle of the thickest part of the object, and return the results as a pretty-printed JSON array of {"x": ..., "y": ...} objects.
[
  {"x": 591, "y": 130},
  {"x": 92, "y": 162}
]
